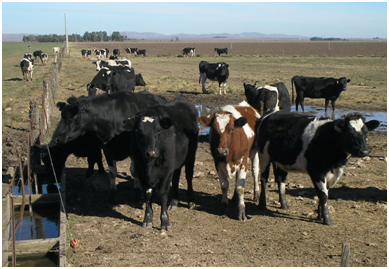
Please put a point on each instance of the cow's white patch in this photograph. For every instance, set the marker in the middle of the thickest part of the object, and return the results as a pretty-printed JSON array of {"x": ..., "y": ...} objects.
[
  {"x": 148, "y": 119},
  {"x": 223, "y": 120},
  {"x": 333, "y": 177},
  {"x": 236, "y": 114},
  {"x": 149, "y": 190},
  {"x": 357, "y": 124}
]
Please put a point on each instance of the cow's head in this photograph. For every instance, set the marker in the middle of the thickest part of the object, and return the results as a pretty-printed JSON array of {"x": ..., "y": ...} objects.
[
  {"x": 342, "y": 82},
  {"x": 147, "y": 129},
  {"x": 222, "y": 68},
  {"x": 353, "y": 133},
  {"x": 139, "y": 81},
  {"x": 222, "y": 127}
]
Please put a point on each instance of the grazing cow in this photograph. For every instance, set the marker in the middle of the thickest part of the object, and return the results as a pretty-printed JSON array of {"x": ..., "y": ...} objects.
[
  {"x": 116, "y": 52},
  {"x": 87, "y": 124},
  {"x": 131, "y": 50},
  {"x": 27, "y": 56},
  {"x": 187, "y": 51},
  {"x": 44, "y": 58},
  {"x": 269, "y": 97},
  {"x": 101, "y": 64},
  {"x": 27, "y": 67},
  {"x": 163, "y": 140},
  {"x": 221, "y": 51},
  {"x": 56, "y": 50},
  {"x": 37, "y": 54},
  {"x": 214, "y": 72},
  {"x": 318, "y": 87},
  {"x": 307, "y": 144},
  {"x": 232, "y": 132}
]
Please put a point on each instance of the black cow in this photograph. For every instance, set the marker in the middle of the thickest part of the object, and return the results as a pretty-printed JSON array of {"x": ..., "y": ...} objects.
[
  {"x": 37, "y": 54},
  {"x": 318, "y": 87},
  {"x": 27, "y": 67},
  {"x": 139, "y": 81},
  {"x": 221, "y": 51},
  {"x": 316, "y": 146},
  {"x": 106, "y": 52},
  {"x": 141, "y": 52},
  {"x": 163, "y": 140},
  {"x": 87, "y": 124},
  {"x": 269, "y": 97},
  {"x": 116, "y": 52},
  {"x": 187, "y": 51},
  {"x": 214, "y": 72}
]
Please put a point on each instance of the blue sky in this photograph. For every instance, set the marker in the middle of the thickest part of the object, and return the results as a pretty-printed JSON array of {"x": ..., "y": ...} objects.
[{"x": 323, "y": 19}]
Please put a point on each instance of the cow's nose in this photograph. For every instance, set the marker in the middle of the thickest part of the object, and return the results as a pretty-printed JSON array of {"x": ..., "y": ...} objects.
[
  {"x": 223, "y": 151},
  {"x": 152, "y": 154}
]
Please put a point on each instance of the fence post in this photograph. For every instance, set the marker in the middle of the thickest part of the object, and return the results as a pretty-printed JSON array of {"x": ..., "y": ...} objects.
[
  {"x": 34, "y": 116},
  {"x": 345, "y": 254}
]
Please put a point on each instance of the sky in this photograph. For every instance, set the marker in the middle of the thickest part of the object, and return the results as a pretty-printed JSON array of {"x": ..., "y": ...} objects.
[{"x": 321, "y": 19}]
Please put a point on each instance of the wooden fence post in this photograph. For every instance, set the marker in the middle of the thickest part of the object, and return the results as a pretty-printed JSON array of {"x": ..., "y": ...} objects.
[{"x": 345, "y": 254}]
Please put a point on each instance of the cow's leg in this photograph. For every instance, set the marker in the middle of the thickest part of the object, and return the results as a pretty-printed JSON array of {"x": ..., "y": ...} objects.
[
  {"x": 164, "y": 194},
  {"x": 280, "y": 176},
  {"x": 203, "y": 78},
  {"x": 175, "y": 183},
  {"x": 326, "y": 104},
  {"x": 99, "y": 161},
  {"x": 255, "y": 166},
  {"x": 333, "y": 105},
  {"x": 189, "y": 168},
  {"x": 239, "y": 190},
  {"x": 224, "y": 87},
  {"x": 224, "y": 184},
  {"x": 31, "y": 74},
  {"x": 148, "y": 219},
  {"x": 112, "y": 175},
  {"x": 320, "y": 184},
  {"x": 265, "y": 171}
]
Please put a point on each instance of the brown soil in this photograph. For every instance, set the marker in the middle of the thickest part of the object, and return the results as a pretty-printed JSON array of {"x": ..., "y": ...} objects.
[{"x": 113, "y": 236}]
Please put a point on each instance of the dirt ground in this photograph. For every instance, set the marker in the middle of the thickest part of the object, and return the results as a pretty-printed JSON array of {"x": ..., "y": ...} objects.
[{"x": 113, "y": 236}]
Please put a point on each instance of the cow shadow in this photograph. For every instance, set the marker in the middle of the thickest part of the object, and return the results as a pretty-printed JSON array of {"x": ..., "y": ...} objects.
[
  {"x": 13, "y": 79},
  {"x": 185, "y": 92}
]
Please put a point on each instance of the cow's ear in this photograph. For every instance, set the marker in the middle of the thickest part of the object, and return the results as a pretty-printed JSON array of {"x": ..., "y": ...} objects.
[
  {"x": 349, "y": 80},
  {"x": 339, "y": 124},
  {"x": 61, "y": 105},
  {"x": 240, "y": 122},
  {"x": 166, "y": 123},
  {"x": 371, "y": 125},
  {"x": 129, "y": 124},
  {"x": 205, "y": 121}
]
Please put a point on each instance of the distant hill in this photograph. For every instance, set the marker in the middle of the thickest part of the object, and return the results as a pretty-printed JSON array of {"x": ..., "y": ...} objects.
[{"x": 156, "y": 36}]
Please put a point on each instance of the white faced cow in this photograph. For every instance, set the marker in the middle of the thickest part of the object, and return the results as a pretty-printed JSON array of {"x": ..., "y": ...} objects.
[
  {"x": 306, "y": 144},
  {"x": 215, "y": 72},
  {"x": 27, "y": 66},
  {"x": 55, "y": 50},
  {"x": 231, "y": 139}
]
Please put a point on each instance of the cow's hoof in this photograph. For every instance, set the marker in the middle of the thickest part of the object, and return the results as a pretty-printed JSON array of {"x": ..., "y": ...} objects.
[
  {"x": 242, "y": 217},
  {"x": 173, "y": 205},
  {"x": 165, "y": 228},
  {"x": 147, "y": 225}
]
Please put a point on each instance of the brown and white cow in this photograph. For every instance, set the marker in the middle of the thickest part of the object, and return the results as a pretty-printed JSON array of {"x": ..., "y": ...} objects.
[{"x": 232, "y": 132}]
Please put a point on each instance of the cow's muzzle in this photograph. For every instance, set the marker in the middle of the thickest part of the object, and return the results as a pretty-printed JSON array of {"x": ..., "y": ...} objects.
[
  {"x": 223, "y": 151},
  {"x": 152, "y": 154}
]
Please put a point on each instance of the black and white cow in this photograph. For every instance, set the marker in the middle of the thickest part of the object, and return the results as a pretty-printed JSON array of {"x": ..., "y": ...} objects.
[
  {"x": 27, "y": 67},
  {"x": 131, "y": 50},
  {"x": 124, "y": 62},
  {"x": 319, "y": 147},
  {"x": 163, "y": 140},
  {"x": 113, "y": 78},
  {"x": 44, "y": 58},
  {"x": 116, "y": 52},
  {"x": 37, "y": 54},
  {"x": 86, "y": 53},
  {"x": 27, "y": 56},
  {"x": 187, "y": 51},
  {"x": 269, "y": 97},
  {"x": 215, "y": 72},
  {"x": 318, "y": 87},
  {"x": 100, "y": 54},
  {"x": 106, "y": 52},
  {"x": 89, "y": 124},
  {"x": 221, "y": 51}
]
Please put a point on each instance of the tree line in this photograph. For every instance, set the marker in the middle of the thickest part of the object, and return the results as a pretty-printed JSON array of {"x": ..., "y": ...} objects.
[
  {"x": 327, "y": 39},
  {"x": 100, "y": 36}
]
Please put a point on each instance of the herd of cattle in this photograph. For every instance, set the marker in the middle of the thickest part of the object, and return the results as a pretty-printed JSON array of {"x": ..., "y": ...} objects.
[
  {"x": 27, "y": 63},
  {"x": 161, "y": 137}
]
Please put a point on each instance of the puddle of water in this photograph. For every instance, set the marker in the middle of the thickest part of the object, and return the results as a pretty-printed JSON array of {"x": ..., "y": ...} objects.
[
  {"x": 39, "y": 260},
  {"x": 43, "y": 224},
  {"x": 46, "y": 188},
  {"x": 317, "y": 111}
]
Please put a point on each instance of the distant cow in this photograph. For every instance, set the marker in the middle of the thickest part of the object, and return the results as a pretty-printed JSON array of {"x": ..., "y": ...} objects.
[
  {"x": 27, "y": 56},
  {"x": 215, "y": 72},
  {"x": 141, "y": 52},
  {"x": 163, "y": 140},
  {"x": 131, "y": 50},
  {"x": 124, "y": 62},
  {"x": 116, "y": 52},
  {"x": 86, "y": 53},
  {"x": 56, "y": 50},
  {"x": 89, "y": 124},
  {"x": 318, "y": 87},
  {"x": 100, "y": 53},
  {"x": 221, "y": 51},
  {"x": 37, "y": 54},
  {"x": 315, "y": 146},
  {"x": 232, "y": 132},
  {"x": 44, "y": 58},
  {"x": 27, "y": 67},
  {"x": 187, "y": 51},
  {"x": 269, "y": 97}
]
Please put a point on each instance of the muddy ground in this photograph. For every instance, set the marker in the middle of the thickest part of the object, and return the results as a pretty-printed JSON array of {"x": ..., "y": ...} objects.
[{"x": 111, "y": 235}]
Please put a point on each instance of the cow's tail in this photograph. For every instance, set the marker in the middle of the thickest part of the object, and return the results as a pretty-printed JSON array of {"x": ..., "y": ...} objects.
[{"x": 293, "y": 90}]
